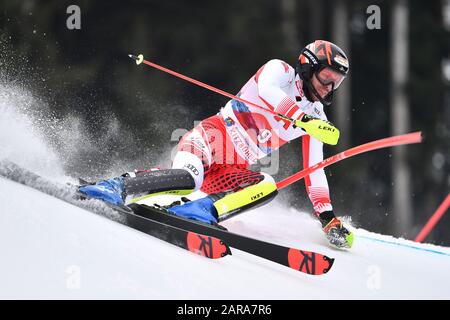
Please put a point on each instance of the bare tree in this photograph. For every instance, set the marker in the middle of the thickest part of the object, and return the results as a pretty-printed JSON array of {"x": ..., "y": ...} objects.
[
  {"x": 342, "y": 102},
  {"x": 400, "y": 118},
  {"x": 316, "y": 19},
  {"x": 289, "y": 26}
]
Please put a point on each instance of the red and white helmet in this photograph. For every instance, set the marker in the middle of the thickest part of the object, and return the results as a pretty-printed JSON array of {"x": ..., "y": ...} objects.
[{"x": 327, "y": 62}]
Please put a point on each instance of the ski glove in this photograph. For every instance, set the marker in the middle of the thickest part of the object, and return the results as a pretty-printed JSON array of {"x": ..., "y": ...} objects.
[{"x": 322, "y": 130}]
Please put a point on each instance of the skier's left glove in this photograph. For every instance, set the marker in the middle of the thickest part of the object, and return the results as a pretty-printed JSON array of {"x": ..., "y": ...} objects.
[
  {"x": 322, "y": 130},
  {"x": 336, "y": 233}
]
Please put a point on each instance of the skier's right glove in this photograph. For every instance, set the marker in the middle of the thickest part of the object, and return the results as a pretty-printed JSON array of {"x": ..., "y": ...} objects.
[{"x": 322, "y": 130}]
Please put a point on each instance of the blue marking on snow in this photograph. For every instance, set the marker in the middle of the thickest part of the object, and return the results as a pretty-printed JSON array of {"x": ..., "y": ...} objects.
[{"x": 404, "y": 245}]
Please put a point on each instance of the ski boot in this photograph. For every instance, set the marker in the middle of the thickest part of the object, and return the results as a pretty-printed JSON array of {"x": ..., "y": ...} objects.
[
  {"x": 140, "y": 184},
  {"x": 201, "y": 210},
  {"x": 336, "y": 233},
  {"x": 111, "y": 191}
]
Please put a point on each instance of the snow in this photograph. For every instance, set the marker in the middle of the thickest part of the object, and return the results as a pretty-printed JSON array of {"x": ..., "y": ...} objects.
[{"x": 52, "y": 249}]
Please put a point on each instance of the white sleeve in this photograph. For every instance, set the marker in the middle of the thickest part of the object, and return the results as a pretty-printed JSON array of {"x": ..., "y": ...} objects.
[
  {"x": 316, "y": 183},
  {"x": 271, "y": 78}
]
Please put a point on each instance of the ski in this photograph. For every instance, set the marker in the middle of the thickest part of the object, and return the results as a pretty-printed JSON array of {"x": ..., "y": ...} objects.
[
  {"x": 308, "y": 262},
  {"x": 197, "y": 237},
  {"x": 207, "y": 246}
]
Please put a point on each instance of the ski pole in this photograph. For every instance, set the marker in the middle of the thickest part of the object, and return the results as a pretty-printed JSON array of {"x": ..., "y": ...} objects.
[
  {"x": 415, "y": 137},
  {"x": 320, "y": 129}
]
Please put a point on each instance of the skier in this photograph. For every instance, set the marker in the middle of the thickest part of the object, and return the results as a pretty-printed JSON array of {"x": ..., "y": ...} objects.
[{"x": 215, "y": 156}]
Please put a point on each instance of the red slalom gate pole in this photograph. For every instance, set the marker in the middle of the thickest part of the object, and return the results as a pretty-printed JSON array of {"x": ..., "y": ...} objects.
[
  {"x": 383, "y": 143},
  {"x": 415, "y": 137},
  {"x": 429, "y": 226}
]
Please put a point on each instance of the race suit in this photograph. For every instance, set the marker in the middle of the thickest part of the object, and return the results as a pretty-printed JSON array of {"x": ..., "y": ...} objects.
[{"x": 219, "y": 150}]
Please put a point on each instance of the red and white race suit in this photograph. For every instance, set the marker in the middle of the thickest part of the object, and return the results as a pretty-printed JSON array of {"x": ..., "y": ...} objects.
[{"x": 241, "y": 134}]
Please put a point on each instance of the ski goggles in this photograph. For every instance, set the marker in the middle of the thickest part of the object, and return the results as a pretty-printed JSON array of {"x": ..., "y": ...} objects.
[{"x": 327, "y": 76}]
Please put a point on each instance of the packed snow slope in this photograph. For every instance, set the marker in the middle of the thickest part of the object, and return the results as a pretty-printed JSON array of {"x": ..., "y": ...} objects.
[{"x": 52, "y": 249}]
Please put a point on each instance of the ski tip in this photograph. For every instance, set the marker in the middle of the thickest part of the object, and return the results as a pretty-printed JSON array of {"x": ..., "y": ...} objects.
[
  {"x": 207, "y": 246},
  {"x": 330, "y": 262},
  {"x": 309, "y": 262},
  {"x": 139, "y": 58},
  {"x": 227, "y": 251}
]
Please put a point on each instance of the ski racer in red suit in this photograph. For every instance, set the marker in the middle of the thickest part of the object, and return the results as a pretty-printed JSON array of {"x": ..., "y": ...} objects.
[{"x": 214, "y": 157}]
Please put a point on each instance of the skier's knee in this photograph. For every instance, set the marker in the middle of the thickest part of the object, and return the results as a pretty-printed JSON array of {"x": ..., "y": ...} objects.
[
  {"x": 268, "y": 178},
  {"x": 192, "y": 164},
  {"x": 220, "y": 206}
]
